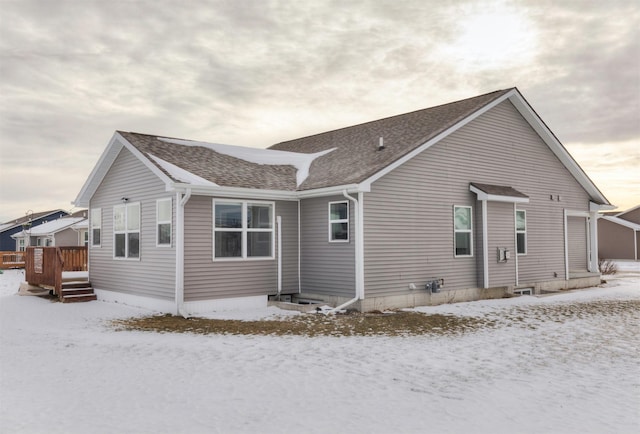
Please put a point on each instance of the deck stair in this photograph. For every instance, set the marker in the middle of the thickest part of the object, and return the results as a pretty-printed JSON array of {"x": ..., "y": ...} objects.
[{"x": 76, "y": 290}]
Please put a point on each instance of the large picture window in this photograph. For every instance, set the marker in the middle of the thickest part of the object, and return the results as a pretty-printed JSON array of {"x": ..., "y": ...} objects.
[
  {"x": 243, "y": 230},
  {"x": 521, "y": 232},
  {"x": 126, "y": 231},
  {"x": 163, "y": 222},
  {"x": 463, "y": 233},
  {"x": 339, "y": 221},
  {"x": 96, "y": 226}
]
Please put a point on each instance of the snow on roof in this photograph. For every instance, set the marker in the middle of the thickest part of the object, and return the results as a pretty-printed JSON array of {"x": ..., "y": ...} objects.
[
  {"x": 50, "y": 227},
  {"x": 302, "y": 162},
  {"x": 181, "y": 174}
]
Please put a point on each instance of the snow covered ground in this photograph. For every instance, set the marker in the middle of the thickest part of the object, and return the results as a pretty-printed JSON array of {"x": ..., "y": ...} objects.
[{"x": 551, "y": 365}]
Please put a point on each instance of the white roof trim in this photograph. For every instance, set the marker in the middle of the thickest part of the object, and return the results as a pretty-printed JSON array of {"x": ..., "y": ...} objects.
[
  {"x": 622, "y": 222},
  {"x": 434, "y": 140},
  {"x": 497, "y": 198},
  {"x": 107, "y": 158},
  {"x": 536, "y": 123}
]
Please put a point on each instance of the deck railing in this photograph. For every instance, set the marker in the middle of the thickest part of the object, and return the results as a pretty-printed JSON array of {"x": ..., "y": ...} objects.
[
  {"x": 11, "y": 260},
  {"x": 44, "y": 265}
]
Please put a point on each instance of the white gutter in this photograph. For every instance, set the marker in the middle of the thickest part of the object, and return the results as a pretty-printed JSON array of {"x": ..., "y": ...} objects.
[
  {"x": 359, "y": 251},
  {"x": 180, "y": 204},
  {"x": 256, "y": 193},
  {"x": 279, "y": 229}
]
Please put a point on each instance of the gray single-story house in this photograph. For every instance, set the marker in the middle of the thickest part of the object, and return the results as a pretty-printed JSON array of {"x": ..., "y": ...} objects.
[
  {"x": 619, "y": 235},
  {"x": 65, "y": 231},
  {"x": 462, "y": 201}
]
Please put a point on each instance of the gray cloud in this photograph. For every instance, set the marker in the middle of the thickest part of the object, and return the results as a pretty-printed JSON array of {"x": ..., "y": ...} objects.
[{"x": 257, "y": 72}]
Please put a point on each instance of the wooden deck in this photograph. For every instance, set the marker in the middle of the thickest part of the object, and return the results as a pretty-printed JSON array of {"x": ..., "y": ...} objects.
[
  {"x": 11, "y": 260},
  {"x": 44, "y": 267}
]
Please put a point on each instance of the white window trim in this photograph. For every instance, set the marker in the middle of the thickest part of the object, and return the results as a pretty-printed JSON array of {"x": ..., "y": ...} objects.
[
  {"x": 244, "y": 230},
  {"x": 159, "y": 222},
  {"x": 92, "y": 227},
  {"x": 526, "y": 247},
  {"x": 126, "y": 231},
  {"x": 469, "y": 231},
  {"x": 338, "y": 221}
]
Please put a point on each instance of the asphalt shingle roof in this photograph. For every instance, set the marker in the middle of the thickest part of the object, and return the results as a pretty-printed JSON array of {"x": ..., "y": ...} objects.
[{"x": 356, "y": 156}]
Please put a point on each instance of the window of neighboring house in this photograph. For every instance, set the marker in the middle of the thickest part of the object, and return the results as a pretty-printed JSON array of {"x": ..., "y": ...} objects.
[
  {"x": 21, "y": 245},
  {"x": 521, "y": 232},
  {"x": 126, "y": 231},
  {"x": 463, "y": 234},
  {"x": 243, "y": 230},
  {"x": 96, "y": 226},
  {"x": 85, "y": 236},
  {"x": 339, "y": 221},
  {"x": 163, "y": 222},
  {"x": 48, "y": 242},
  {"x": 38, "y": 242}
]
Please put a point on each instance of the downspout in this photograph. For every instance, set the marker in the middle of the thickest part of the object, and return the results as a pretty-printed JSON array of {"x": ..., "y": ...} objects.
[
  {"x": 279, "y": 229},
  {"x": 566, "y": 247},
  {"x": 515, "y": 234},
  {"x": 485, "y": 245},
  {"x": 359, "y": 244},
  {"x": 299, "y": 244},
  {"x": 593, "y": 245},
  {"x": 181, "y": 201}
]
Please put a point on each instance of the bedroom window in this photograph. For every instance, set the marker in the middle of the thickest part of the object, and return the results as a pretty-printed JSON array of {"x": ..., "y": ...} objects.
[
  {"x": 339, "y": 221},
  {"x": 463, "y": 234},
  {"x": 96, "y": 226},
  {"x": 163, "y": 222},
  {"x": 126, "y": 231},
  {"x": 243, "y": 230},
  {"x": 521, "y": 232}
]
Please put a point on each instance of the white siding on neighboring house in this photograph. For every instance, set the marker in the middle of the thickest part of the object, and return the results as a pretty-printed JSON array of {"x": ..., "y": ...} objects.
[
  {"x": 153, "y": 275},
  {"x": 408, "y": 214},
  {"x": 208, "y": 279},
  {"x": 327, "y": 268}
]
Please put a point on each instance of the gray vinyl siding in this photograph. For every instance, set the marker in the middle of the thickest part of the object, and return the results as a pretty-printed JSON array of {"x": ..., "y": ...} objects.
[
  {"x": 615, "y": 241},
  {"x": 153, "y": 275},
  {"x": 206, "y": 278},
  {"x": 408, "y": 213},
  {"x": 501, "y": 227},
  {"x": 577, "y": 240},
  {"x": 326, "y": 267},
  {"x": 68, "y": 237},
  {"x": 632, "y": 216}
]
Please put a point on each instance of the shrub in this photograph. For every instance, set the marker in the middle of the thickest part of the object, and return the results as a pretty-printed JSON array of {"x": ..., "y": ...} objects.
[{"x": 607, "y": 266}]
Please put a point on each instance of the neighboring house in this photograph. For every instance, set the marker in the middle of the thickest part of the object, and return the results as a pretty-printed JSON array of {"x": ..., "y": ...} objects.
[
  {"x": 619, "y": 235},
  {"x": 7, "y": 243},
  {"x": 477, "y": 194},
  {"x": 65, "y": 231}
]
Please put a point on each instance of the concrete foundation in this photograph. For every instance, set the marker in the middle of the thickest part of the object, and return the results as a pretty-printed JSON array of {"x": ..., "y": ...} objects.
[{"x": 423, "y": 298}]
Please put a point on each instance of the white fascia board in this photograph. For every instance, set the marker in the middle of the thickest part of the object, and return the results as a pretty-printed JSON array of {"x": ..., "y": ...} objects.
[
  {"x": 622, "y": 222},
  {"x": 497, "y": 198},
  {"x": 556, "y": 147},
  {"x": 367, "y": 183},
  {"x": 103, "y": 165},
  {"x": 254, "y": 193},
  {"x": 595, "y": 207}
]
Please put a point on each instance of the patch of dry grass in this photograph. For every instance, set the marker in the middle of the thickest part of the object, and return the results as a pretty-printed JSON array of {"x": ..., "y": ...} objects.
[{"x": 351, "y": 324}]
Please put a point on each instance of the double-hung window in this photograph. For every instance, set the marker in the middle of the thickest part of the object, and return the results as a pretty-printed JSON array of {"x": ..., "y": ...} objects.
[
  {"x": 243, "y": 230},
  {"x": 96, "y": 226},
  {"x": 339, "y": 221},
  {"x": 126, "y": 231},
  {"x": 463, "y": 232},
  {"x": 521, "y": 232},
  {"x": 163, "y": 222}
]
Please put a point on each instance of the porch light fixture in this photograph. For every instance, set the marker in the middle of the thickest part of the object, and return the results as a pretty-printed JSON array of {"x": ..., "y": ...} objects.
[{"x": 125, "y": 199}]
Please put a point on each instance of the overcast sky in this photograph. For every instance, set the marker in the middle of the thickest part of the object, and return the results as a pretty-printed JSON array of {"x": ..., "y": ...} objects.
[{"x": 254, "y": 73}]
